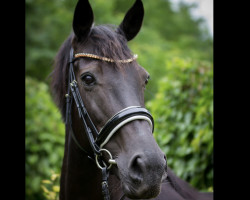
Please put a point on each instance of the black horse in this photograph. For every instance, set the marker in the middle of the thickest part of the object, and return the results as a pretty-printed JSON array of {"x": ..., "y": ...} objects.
[{"x": 110, "y": 151}]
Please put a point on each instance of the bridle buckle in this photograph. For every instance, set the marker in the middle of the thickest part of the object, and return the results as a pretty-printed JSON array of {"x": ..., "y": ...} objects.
[{"x": 111, "y": 160}]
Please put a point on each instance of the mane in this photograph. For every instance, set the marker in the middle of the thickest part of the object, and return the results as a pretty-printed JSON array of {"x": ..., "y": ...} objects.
[{"x": 105, "y": 40}]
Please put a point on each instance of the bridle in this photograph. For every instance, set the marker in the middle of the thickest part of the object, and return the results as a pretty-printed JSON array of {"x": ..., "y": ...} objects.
[{"x": 98, "y": 139}]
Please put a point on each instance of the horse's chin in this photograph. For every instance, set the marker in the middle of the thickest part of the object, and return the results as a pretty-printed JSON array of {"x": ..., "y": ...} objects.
[
  {"x": 141, "y": 192},
  {"x": 135, "y": 190}
]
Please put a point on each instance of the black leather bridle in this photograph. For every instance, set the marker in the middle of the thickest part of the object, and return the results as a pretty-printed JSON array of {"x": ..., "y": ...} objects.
[{"x": 98, "y": 139}]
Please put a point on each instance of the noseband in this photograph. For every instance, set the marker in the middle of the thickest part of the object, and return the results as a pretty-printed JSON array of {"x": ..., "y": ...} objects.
[{"x": 98, "y": 139}]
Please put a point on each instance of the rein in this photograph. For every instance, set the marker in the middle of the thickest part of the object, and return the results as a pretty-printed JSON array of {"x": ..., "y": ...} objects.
[{"x": 98, "y": 139}]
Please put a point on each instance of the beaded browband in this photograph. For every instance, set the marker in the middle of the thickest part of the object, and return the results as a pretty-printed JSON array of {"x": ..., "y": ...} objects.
[{"x": 88, "y": 55}]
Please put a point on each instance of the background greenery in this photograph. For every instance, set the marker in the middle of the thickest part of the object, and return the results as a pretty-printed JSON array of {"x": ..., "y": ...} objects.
[{"x": 172, "y": 47}]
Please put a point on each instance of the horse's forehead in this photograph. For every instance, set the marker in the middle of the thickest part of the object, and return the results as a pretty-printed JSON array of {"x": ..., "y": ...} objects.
[
  {"x": 84, "y": 47},
  {"x": 104, "y": 41}
]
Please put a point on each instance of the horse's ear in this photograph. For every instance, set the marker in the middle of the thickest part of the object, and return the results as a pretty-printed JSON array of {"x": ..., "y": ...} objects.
[
  {"x": 132, "y": 21},
  {"x": 83, "y": 19}
]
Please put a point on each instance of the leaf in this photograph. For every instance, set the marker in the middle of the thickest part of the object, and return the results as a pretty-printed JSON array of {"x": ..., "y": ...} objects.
[
  {"x": 56, "y": 188},
  {"x": 46, "y": 181}
]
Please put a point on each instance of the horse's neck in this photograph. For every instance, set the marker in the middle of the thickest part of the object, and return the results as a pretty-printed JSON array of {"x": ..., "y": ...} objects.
[
  {"x": 80, "y": 178},
  {"x": 177, "y": 188}
]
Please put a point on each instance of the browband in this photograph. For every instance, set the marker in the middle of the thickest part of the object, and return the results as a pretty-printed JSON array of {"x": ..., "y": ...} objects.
[{"x": 88, "y": 55}]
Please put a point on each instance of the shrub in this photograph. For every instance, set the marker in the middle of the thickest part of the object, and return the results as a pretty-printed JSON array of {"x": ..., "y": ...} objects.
[
  {"x": 51, "y": 187},
  {"x": 183, "y": 112},
  {"x": 44, "y": 137}
]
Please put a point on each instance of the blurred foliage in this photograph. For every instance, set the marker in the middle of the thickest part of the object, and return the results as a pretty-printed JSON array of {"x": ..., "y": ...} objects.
[
  {"x": 183, "y": 111},
  {"x": 44, "y": 137},
  {"x": 51, "y": 187},
  {"x": 172, "y": 46}
]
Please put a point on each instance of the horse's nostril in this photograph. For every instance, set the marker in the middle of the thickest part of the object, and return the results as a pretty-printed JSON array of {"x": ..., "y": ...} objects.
[
  {"x": 136, "y": 164},
  {"x": 136, "y": 169}
]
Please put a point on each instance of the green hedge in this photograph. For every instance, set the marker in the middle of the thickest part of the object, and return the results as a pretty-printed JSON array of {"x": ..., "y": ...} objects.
[
  {"x": 183, "y": 112},
  {"x": 44, "y": 137}
]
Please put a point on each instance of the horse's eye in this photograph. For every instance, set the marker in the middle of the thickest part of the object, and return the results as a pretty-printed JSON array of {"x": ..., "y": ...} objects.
[{"x": 88, "y": 79}]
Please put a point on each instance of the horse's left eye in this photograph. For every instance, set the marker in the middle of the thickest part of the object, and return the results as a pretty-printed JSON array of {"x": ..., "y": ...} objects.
[{"x": 88, "y": 79}]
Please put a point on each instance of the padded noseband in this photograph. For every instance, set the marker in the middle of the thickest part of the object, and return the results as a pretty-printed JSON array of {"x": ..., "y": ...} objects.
[{"x": 120, "y": 119}]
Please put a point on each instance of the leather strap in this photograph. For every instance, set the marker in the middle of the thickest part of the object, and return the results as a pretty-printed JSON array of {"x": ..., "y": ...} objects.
[{"x": 126, "y": 115}]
